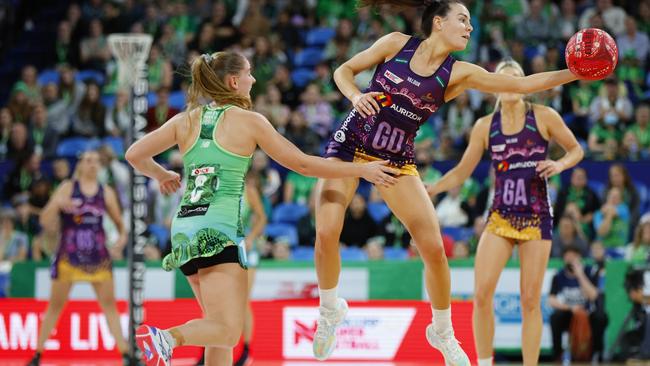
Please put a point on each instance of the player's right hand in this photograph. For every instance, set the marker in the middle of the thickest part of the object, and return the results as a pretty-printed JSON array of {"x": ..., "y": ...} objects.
[
  {"x": 169, "y": 182},
  {"x": 378, "y": 172},
  {"x": 366, "y": 104}
]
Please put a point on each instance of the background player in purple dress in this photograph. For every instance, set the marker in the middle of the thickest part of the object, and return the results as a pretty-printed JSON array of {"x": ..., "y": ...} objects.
[
  {"x": 413, "y": 78},
  {"x": 76, "y": 212},
  {"x": 516, "y": 136}
]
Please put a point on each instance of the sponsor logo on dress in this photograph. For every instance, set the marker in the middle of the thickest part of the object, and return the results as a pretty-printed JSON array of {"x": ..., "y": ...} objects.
[
  {"x": 413, "y": 81},
  {"x": 428, "y": 97},
  {"x": 499, "y": 148},
  {"x": 505, "y": 166},
  {"x": 392, "y": 77},
  {"x": 406, "y": 113},
  {"x": 189, "y": 211},
  {"x": 401, "y": 60},
  {"x": 513, "y": 140},
  {"x": 339, "y": 136},
  {"x": 204, "y": 170}
]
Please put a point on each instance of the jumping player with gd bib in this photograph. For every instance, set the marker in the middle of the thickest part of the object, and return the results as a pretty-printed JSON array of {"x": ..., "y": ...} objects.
[{"x": 413, "y": 78}]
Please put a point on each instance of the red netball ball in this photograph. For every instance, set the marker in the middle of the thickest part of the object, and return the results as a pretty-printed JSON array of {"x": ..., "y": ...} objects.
[{"x": 591, "y": 54}]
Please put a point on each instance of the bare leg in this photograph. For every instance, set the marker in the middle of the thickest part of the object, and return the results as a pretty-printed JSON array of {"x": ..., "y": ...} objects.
[
  {"x": 332, "y": 199},
  {"x": 58, "y": 297},
  {"x": 491, "y": 257},
  {"x": 223, "y": 292},
  {"x": 106, "y": 299},
  {"x": 533, "y": 256},
  {"x": 410, "y": 203}
]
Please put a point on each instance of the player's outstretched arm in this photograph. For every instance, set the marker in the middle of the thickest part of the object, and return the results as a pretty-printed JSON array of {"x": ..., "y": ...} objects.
[
  {"x": 470, "y": 76},
  {"x": 457, "y": 175},
  {"x": 284, "y": 152}
]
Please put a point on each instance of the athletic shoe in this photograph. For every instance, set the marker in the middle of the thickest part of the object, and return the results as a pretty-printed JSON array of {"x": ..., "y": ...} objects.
[
  {"x": 328, "y": 321},
  {"x": 449, "y": 346},
  {"x": 156, "y": 351},
  {"x": 36, "y": 360}
]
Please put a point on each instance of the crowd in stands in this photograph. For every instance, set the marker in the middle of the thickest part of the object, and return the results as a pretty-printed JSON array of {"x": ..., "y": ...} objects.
[{"x": 75, "y": 102}]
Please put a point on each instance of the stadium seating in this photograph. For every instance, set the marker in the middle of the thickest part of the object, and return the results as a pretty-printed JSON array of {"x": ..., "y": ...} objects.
[
  {"x": 289, "y": 213},
  {"x": 279, "y": 230}
]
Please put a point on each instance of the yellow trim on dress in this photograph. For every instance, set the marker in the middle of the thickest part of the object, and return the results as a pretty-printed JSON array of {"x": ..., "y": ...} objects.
[
  {"x": 407, "y": 169},
  {"x": 70, "y": 273},
  {"x": 500, "y": 226}
]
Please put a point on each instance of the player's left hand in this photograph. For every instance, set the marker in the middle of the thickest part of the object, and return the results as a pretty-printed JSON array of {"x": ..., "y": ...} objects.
[
  {"x": 549, "y": 168},
  {"x": 169, "y": 182}
]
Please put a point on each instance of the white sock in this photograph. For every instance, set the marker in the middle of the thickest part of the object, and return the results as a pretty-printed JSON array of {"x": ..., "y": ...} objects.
[
  {"x": 485, "y": 361},
  {"x": 328, "y": 297},
  {"x": 168, "y": 337},
  {"x": 441, "y": 320}
]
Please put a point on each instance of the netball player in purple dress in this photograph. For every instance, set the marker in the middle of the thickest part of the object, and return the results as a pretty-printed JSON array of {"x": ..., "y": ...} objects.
[
  {"x": 413, "y": 78},
  {"x": 516, "y": 136},
  {"x": 76, "y": 212}
]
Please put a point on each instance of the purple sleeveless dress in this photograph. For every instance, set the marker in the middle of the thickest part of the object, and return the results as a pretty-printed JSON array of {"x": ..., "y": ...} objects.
[
  {"x": 82, "y": 254},
  {"x": 521, "y": 208},
  {"x": 408, "y": 101}
]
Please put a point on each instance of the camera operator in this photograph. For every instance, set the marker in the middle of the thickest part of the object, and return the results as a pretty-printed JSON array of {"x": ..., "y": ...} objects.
[{"x": 574, "y": 291}]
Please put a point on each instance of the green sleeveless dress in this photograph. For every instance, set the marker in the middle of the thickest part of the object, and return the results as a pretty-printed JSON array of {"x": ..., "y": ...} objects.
[{"x": 209, "y": 216}]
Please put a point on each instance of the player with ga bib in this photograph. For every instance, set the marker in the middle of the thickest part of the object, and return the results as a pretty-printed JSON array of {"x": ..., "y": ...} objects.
[{"x": 516, "y": 136}]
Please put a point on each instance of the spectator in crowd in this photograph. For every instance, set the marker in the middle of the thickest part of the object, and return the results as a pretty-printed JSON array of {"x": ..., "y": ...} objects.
[
  {"x": 452, "y": 210},
  {"x": 572, "y": 293},
  {"x": 374, "y": 249},
  {"x": 90, "y": 119},
  {"x": 568, "y": 234},
  {"x": 317, "y": 111},
  {"x": 118, "y": 118},
  {"x": 6, "y": 123},
  {"x": 23, "y": 176},
  {"x": 269, "y": 176},
  {"x": 639, "y": 248},
  {"x": 26, "y": 220},
  {"x": 298, "y": 188},
  {"x": 94, "y": 50},
  {"x": 612, "y": 106},
  {"x": 579, "y": 201},
  {"x": 633, "y": 43},
  {"x": 301, "y": 135},
  {"x": 613, "y": 16},
  {"x": 612, "y": 221},
  {"x": 160, "y": 112},
  {"x": 358, "y": 226},
  {"x": 535, "y": 27},
  {"x": 290, "y": 92},
  {"x": 306, "y": 225},
  {"x": 460, "y": 118},
  {"x": 619, "y": 177},
  {"x": 61, "y": 170},
  {"x": 19, "y": 104},
  {"x": 14, "y": 244},
  {"x": 160, "y": 73},
  {"x": 172, "y": 44},
  {"x": 640, "y": 131},
  {"x": 66, "y": 50},
  {"x": 29, "y": 85},
  {"x": 43, "y": 138},
  {"x": 278, "y": 113},
  {"x": 114, "y": 173}
]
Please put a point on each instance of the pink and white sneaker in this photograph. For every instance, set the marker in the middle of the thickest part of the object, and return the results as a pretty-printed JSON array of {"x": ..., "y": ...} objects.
[{"x": 156, "y": 350}]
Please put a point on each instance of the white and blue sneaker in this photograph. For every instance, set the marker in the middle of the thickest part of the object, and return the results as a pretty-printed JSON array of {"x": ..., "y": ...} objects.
[
  {"x": 449, "y": 346},
  {"x": 325, "y": 337},
  {"x": 156, "y": 350}
]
